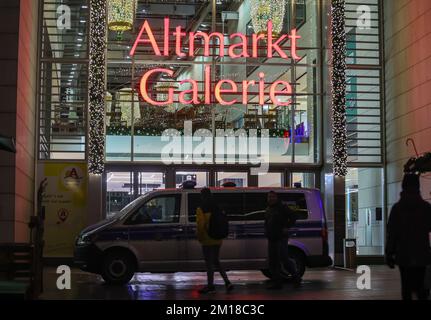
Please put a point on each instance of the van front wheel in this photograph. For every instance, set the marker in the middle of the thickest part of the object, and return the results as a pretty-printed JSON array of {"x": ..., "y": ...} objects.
[
  {"x": 118, "y": 268},
  {"x": 299, "y": 259}
]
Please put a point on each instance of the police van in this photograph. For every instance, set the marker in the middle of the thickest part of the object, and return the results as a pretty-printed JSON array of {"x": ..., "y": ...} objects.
[{"x": 157, "y": 233}]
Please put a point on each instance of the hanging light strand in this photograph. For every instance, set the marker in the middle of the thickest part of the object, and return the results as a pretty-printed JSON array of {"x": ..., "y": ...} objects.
[
  {"x": 263, "y": 11},
  {"x": 121, "y": 14},
  {"x": 338, "y": 85},
  {"x": 97, "y": 76}
]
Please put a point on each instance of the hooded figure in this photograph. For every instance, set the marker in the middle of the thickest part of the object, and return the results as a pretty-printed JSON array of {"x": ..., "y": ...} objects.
[{"x": 408, "y": 239}]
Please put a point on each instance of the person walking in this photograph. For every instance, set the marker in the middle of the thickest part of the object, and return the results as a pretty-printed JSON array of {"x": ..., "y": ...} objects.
[
  {"x": 210, "y": 247},
  {"x": 279, "y": 217},
  {"x": 408, "y": 243}
]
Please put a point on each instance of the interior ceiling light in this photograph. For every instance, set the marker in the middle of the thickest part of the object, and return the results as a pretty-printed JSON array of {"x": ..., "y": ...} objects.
[
  {"x": 263, "y": 11},
  {"x": 121, "y": 14}
]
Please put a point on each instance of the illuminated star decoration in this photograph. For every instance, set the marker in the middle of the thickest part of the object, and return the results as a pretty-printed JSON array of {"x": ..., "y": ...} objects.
[
  {"x": 97, "y": 75},
  {"x": 338, "y": 86}
]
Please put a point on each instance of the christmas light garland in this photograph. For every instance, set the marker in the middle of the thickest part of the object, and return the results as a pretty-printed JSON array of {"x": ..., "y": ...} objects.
[
  {"x": 157, "y": 132},
  {"x": 338, "y": 80},
  {"x": 97, "y": 79},
  {"x": 264, "y": 10}
]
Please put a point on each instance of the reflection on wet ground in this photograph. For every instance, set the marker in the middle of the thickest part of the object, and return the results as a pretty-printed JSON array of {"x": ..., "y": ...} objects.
[{"x": 318, "y": 284}]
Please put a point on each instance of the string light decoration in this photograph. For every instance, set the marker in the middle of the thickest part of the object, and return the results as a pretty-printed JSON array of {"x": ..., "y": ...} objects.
[
  {"x": 121, "y": 14},
  {"x": 263, "y": 11},
  {"x": 338, "y": 85},
  {"x": 96, "y": 79}
]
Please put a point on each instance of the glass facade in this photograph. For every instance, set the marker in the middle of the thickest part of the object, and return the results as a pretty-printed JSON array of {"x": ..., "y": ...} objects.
[
  {"x": 365, "y": 219},
  {"x": 134, "y": 127},
  {"x": 137, "y": 142},
  {"x": 63, "y": 80},
  {"x": 364, "y": 81}
]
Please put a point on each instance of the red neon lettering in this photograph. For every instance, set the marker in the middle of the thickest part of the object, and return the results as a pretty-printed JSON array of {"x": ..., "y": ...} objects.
[
  {"x": 261, "y": 88},
  {"x": 178, "y": 34},
  {"x": 274, "y": 46},
  {"x": 242, "y": 44},
  {"x": 293, "y": 44},
  {"x": 273, "y": 92},
  {"x": 218, "y": 91},
  {"x": 207, "y": 88},
  {"x": 206, "y": 37},
  {"x": 236, "y": 49},
  {"x": 143, "y": 87},
  {"x": 146, "y": 27},
  {"x": 245, "y": 85},
  {"x": 255, "y": 41},
  {"x": 166, "y": 37},
  {"x": 193, "y": 91},
  {"x": 184, "y": 98}
]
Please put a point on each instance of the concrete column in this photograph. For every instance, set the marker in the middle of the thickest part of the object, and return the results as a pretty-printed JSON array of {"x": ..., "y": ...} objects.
[
  {"x": 95, "y": 199},
  {"x": 339, "y": 219},
  {"x": 335, "y": 207},
  {"x": 408, "y": 87}
]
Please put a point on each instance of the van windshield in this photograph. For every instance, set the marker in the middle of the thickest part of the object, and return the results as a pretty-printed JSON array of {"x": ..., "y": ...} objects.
[{"x": 126, "y": 209}]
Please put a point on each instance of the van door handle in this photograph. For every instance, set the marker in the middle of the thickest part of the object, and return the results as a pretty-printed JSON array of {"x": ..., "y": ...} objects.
[{"x": 178, "y": 229}]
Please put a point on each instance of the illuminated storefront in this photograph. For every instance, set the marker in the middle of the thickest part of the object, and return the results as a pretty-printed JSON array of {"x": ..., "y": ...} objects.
[{"x": 248, "y": 82}]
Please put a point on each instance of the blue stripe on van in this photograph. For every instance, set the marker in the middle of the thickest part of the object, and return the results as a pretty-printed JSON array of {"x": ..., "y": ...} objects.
[{"x": 171, "y": 232}]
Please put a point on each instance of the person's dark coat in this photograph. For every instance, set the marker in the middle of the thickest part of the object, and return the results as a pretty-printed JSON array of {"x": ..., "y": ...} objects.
[
  {"x": 277, "y": 218},
  {"x": 408, "y": 231}
]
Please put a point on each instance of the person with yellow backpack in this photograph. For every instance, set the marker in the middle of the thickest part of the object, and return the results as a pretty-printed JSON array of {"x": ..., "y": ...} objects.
[{"x": 212, "y": 227}]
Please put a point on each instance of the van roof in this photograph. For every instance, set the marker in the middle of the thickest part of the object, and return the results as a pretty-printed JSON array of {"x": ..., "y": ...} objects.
[{"x": 268, "y": 189}]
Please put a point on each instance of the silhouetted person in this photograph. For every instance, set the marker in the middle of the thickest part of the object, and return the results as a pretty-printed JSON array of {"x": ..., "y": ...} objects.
[
  {"x": 279, "y": 217},
  {"x": 210, "y": 247},
  {"x": 407, "y": 243}
]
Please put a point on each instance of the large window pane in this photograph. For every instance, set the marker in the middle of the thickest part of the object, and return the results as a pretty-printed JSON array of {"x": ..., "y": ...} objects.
[
  {"x": 303, "y": 180},
  {"x": 240, "y": 179},
  {"x": 364, "y": 207},
  {"x": 271, "y": 179},
  {"x": 119, "y": 191},
  {"x": 149, "y": 181},
  {"x": 63, "y": 91},
  {"x": 200, "y": 177}
]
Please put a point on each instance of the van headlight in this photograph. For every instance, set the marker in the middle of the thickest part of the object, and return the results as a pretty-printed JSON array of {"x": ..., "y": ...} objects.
[{"x": 84, "y": 239}]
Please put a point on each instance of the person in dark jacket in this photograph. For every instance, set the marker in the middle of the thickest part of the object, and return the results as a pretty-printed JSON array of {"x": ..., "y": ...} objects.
[
  {"x": 278, "y": 218},
  {"x": 408, "y": 243},
  {"x": 210, "y": 247}
]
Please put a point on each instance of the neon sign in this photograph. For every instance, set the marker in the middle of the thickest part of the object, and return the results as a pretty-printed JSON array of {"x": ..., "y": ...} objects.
[{"x": 239, "y": 47}]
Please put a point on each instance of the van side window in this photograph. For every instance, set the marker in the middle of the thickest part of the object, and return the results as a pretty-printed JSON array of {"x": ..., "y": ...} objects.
[
  {"x": 297, "y": 202},
  {"x": 161, "y": 209},
  {"x": 255, "y": 206},
  {"x": 230, "y": 203}
]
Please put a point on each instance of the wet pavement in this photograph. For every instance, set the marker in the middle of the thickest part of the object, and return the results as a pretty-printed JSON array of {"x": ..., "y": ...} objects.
[{"x": 318, "y": 284}]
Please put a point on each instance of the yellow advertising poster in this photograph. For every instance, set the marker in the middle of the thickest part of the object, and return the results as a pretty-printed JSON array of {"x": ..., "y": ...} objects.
[{"x": 65, "y": 202}]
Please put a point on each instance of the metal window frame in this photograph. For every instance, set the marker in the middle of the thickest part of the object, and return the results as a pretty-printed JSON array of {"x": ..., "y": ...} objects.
[{"x": 40, "y": 61}]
